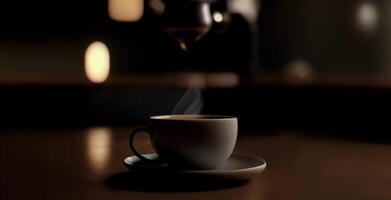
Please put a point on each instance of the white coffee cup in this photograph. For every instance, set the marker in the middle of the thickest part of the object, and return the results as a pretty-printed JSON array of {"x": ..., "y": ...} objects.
[{"x": 190, "y": 141}]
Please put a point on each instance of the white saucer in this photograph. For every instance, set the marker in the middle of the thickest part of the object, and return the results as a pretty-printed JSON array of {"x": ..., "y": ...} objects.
[{"x": 237, "y": 167}]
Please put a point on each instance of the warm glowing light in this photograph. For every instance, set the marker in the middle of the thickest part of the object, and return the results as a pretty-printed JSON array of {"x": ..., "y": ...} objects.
[
  {"x": 368, "y": 16},
  {"x": 97, "y": 62},
  {"x": 299, "y": 69},
  {"x": 248, "y": 8},
  {"x": 126, "y": 10},
  {"x": 218, "y": 17},
  {"x": 98, "y": 148},
  {"x": 157, "y": 6}
]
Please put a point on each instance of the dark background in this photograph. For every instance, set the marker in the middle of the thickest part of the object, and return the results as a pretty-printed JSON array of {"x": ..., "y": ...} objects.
[
  {"x": 59, "y": 32},
  {"x": 343, "y": 86}
]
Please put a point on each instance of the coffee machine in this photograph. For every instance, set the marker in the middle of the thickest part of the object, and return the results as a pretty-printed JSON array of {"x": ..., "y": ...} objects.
[
  {"x": 187, "y": 35},
  {"x": 187, "y": 20},
  {"x": 225, "y": 33}
]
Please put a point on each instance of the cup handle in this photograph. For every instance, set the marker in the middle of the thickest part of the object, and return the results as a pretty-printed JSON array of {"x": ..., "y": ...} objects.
[{"x": 136, "y": 153}]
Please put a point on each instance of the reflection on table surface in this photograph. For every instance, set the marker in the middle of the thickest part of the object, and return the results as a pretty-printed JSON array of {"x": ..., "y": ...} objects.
[{"x": 77, "y": 164}]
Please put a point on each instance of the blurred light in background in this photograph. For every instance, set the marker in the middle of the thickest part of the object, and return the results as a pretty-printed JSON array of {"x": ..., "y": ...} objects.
[
  {"x": 157, "y": 6},
  {"x": 218, "y": 17},
  {"x": 97, "y": 62},
  {"x": 368, "y": 16},
  {"x": 298, "y": 69},
  {"x": 126, "y": 10},
  {"x": 98, "y": 148},
  {"x": 248, "y": 8}
]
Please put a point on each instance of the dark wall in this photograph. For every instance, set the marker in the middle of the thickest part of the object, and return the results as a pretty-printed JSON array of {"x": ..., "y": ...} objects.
[
  {"x": 355, "y": 109},
  {"x": 332, "y": 37}
]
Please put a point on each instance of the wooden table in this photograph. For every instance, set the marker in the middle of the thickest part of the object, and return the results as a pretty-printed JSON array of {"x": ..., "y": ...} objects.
[{"x": 87, "y": 164}]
